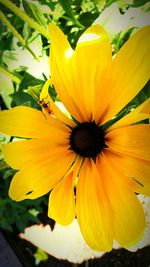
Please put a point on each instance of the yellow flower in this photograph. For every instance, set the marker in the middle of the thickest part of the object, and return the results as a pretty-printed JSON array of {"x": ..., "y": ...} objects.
[{"x": 106, "y": 164}]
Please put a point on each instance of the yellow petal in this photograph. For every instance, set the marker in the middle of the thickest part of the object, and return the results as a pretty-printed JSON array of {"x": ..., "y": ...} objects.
[
  {"x": 132, "y": 141},
  {"x": 40, "y": 175},
  {"x": 135, "y": 172},
  {"x": 128, "y": 215},
  {"x": 129, "y": 73},
  {"x": 144, "y": 190},
  {"x": 29, "y": 123},
  {"x": 61, "y": 71},
  {"x": 55, "y": 110},
  {"x": 92, "y": 58},
  {"x": 140, "y": 113},
  {"x": 19, "y": 153},
  {"x": 136, "y": 169},
  {"x": 140, "y": 189},
  {"x": 62, "y": 199},
  {"x": 94, "y": 213}
]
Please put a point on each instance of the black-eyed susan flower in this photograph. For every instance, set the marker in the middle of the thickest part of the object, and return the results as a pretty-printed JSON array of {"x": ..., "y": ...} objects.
[{"x": 107, "y": 165}]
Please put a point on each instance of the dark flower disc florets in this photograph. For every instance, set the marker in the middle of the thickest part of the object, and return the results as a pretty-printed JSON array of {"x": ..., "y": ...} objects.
[{"x": 87, "y": 139}]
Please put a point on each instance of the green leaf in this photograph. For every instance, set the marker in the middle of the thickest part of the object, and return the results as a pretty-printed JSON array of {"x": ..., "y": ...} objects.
[
  {"x": 137, "y": 3},
  {"x": 34, "y": 91},
  {"x": 109, "y": 2},
  {"x": 6, "y": 10},
  {"x": 3, "y": 165},
  {"x": 34, "y": 212},
  {"x": 34, "y": 12},
  {"x": 88, "y": 18},
  {"x": 8, "y": 173},
  {"x": 29, "y": 80},
  {"x": 120, "y": 38},
  {"x": 27, "y": 33},
  {"x": 52, "y": 92},
  {"x": 66, "y": 5},
  {"x": 21, "y": 98},
  {"x": 143, "y": 95},
  {"x": 40, "y": 255}
]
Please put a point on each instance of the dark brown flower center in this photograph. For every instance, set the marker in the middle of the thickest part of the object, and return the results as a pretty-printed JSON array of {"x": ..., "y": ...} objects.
[{"x": 87, "y": 139}]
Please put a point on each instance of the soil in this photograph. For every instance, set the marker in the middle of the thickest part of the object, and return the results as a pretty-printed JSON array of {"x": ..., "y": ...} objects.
[{"x": 116, "y": 258}]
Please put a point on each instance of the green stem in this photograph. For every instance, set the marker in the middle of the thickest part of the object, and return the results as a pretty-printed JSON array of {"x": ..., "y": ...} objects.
[
  {"x": 25, "y": 17},
  {"x": 16, "y": 34},
  {"x": 77, "y": 23},
  {"x": 10, "y": 75}
]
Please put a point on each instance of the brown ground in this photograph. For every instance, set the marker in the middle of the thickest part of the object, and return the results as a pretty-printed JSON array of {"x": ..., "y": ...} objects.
[{"x": 115, "y": 258}]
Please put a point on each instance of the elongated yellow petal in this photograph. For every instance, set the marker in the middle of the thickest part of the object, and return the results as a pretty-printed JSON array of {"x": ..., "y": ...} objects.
[
  {"x": 27, "y": 122},
  {"x": 129, "y": 73},
  {"x": 134, "y": 168},
  {"x": 18, "y": 154},
  {"x": 127, "y": 210},
  {"x": 94, "y": 213},
  {"x": 131, "y": 141},
  {"x": 44, "y": 96},
  {"x": 62, "y": 199},
  {"x": 92, "y": 58},
  {"x": 40, "y": 175},
  {"x": 61, "y": 71},
  {"x": 142, "y": 112},
  {"x": 144, "y": 190},
  {"x": 77, "y": 74}
]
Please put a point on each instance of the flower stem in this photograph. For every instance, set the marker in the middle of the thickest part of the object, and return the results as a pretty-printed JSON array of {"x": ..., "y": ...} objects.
[
  {"x": 16, "y": 34},
  {"x": 10, "y": 75},
  {"x": 25, "y": 17}
]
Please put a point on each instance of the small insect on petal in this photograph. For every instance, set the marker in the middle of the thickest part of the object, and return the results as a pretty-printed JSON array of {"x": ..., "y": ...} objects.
[{"x": 45, "y": 106}]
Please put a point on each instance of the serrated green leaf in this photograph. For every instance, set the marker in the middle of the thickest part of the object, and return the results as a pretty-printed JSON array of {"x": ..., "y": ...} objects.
[{"x": 34, "y": 12}]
